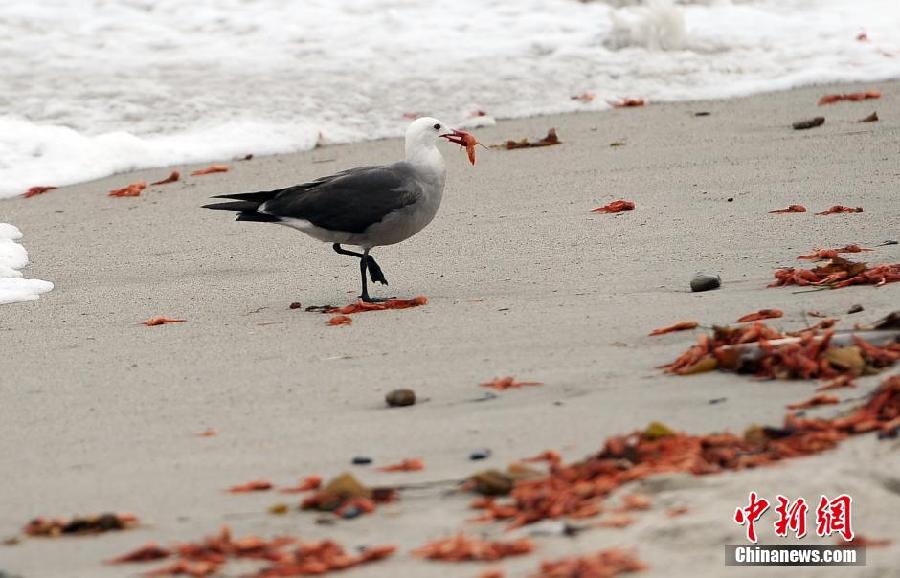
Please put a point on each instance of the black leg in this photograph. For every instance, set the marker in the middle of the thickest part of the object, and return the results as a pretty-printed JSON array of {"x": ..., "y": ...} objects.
[
  {"x": 341, "y": 251},
  {"x": 375, "y": 272},
  {"x": 362, "y": 271}
]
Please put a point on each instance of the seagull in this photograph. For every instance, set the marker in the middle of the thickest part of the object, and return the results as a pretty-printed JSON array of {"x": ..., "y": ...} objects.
[{"x": 365, "y": 207}]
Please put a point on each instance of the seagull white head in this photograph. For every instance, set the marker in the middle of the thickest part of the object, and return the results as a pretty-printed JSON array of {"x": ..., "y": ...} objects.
[{"x": 424, "y": 133}]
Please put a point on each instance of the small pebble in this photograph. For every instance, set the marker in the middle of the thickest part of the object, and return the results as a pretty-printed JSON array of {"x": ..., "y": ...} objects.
[
  {"x": 730, "y": 199},
  {"x": 295, "y": 305},
  {"x": 351, "y": 512},
  {"x": 704, "y": 282},
  {"x": 400, "y": 398},
  {"x": 278, "y": 509},
  {"x": 480, "y": 455},
  {"x": 702, "y": 113},
  {"x": 716, "y": 400},
  {"x": 855, "y": 309},
  {"x": 361, "y": 461}
]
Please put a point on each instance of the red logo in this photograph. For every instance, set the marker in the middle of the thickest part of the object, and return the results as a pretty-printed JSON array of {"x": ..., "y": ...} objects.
[
  {"x": 751, "y": 514},
  {"x": 832, "y": 516},
  {"x": 790, "y": 517}
]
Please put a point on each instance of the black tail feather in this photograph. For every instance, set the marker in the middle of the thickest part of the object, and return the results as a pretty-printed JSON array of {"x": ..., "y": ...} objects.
[
  {"x": 258, "y": 197},
  {"x": 246, "y": 205},
  {"x": 259, "y": 217},
  {"x": 238, "y": 206}
]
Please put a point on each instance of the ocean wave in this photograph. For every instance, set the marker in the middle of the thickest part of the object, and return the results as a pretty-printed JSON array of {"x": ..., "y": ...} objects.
[
  {"x": 13, "y": 286},
  {"x": 94, "y": 88}
]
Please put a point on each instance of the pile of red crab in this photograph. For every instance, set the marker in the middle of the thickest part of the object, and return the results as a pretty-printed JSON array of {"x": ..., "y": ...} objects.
[
  {"x": 346, "y": 498},
  {"x": 577, "y": 489},
  {"x": 603, "y": 564},
  {"x": 839, "y": 272},
  {"x": 765, "y": 352},
  {"x": 284, "y": 556},
  {"x": 461, "y": 548},
  {"x": 53, "y": 527}
]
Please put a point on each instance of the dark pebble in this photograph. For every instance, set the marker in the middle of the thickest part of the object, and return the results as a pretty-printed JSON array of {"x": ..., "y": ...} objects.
[
  {"x": 855, "y": 309},
  {"x": 704, "y": 282},
  {"x": 295, "y": 305},
  {"x": 703, "y": 113},
  {"x": 400, "y": 398},
  {"x": 480, "y": 455},
  {"x": 730, "y": 199},
  {"x": 804, "y": 124},
  {"x": 361, "y": 461},
  {"x": 716, "y": 400}
]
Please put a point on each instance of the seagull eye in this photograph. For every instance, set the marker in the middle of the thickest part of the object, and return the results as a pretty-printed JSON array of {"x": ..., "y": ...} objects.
[{"x": 437, "y": 126}]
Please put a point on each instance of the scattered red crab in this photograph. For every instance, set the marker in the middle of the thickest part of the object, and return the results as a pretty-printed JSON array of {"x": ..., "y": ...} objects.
[
  {"x": 615, "y": 207},
  {"x": 840, "y": 209},
  {"x": 761, "y": 314},
  {"x": 461, "y": 548},
  {"x": 791, "y": 209},
  {"x": 132, "y": 190},
  {"x": 815, "y": 401},
  {"x": 868, "y": 95},
  {"x": 822, "y": 254},
  {"x": 628, "y": 102},
  {"x": 306, "y": 485},
  {"x": 96, "y": 524},
  {"x": 251, "y": 486},
  {"x": 173, "y": 177},
  {"x": 680, "y": 326},
  {"x": 34, "y": 191},
  {"x": 508, "y": 383},
  {"x": 161, "y": 320},
  {"x": 362, "y": 306},
  {"x": 603, "y": 564},
  {"x": 407, "y": 465},
  {"x": 210, "y": 170}
]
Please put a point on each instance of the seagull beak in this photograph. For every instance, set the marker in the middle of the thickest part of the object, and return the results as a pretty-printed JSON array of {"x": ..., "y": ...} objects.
[{"x": 455, "y": 136}]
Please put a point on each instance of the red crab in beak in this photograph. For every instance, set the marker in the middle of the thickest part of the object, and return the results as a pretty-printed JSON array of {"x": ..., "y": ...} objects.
[
  {"x": 456, "y": 136},
  {"x": 465, "y": 139}
]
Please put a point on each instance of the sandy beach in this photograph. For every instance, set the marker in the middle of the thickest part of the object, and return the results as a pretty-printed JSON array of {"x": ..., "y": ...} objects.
[{"x": 99, "y": 413}]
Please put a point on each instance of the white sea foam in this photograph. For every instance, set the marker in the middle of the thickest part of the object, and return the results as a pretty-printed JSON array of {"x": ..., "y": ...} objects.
[
  {"x": 13, "y": 287},
  {"x": 89, "y": 88}
]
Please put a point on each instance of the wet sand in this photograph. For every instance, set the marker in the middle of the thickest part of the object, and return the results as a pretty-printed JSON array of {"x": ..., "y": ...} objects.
[{"x": 99, "y": 412}]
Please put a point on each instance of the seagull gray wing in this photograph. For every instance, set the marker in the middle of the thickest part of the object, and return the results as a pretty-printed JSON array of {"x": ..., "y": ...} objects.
[{"x": 350, "y": 201}]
